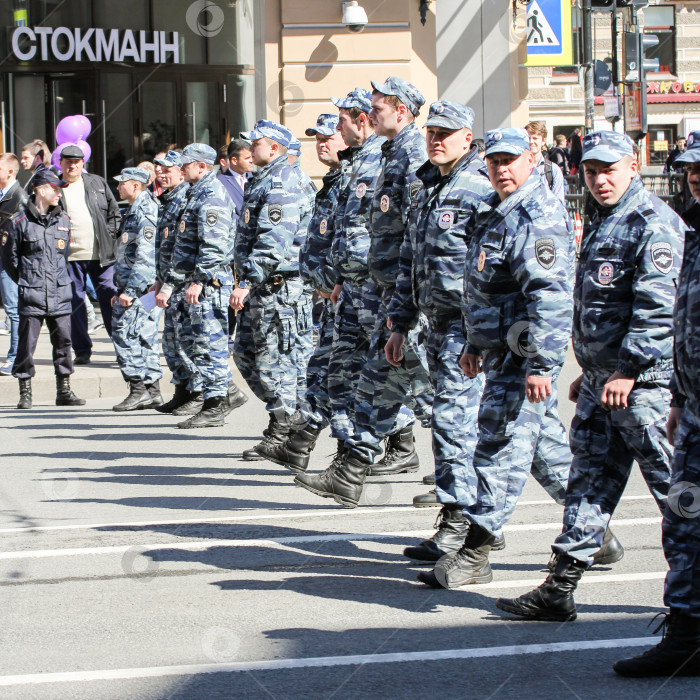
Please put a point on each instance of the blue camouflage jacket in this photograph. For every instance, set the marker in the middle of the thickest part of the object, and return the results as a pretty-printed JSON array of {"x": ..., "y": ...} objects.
[
  {"x": 271, "y": 216},
  {"x": 135, "y": 269},
  {"x": 626, "y": 287},
  {"x": 434, "y": 251},
  {"x": 314, "y": 258},
  {"x": 352, "y": 215},
  {"x": 686, "y": 340},
  {"x": 306, "y": 209},
  {"x": 397, "y": 184},
  {"x": 205, "y": 236},
  {"x": 172, "y": 203},
  {"x": 519, "y": 278}
]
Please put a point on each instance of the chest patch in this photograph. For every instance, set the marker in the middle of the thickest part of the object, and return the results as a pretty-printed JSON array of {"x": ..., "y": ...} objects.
[
  {"x": 182, "y": 226},
  {"x": 662, "y": 256},
  {"x": 323, "y": 227},
  {"x": 446, "y": 220},
  {"x": 4, "y": 238},
  {"x": 361, "y": 190},
  {"x": 246, "y": 216},
  {"x": 605, "y": 273},
  {"x": 384, "y": 203},
  {"x": 482, "y": 261},
  {"x": 61, "y": 244},
  {"x": 125, "y": 237},
  {"x": 545, "y": 252}
]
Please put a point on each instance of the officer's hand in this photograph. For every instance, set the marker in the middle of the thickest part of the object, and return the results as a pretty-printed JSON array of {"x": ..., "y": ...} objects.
[
  {"x": 192, "y": 293},
  {"x": 162, "y": 299},
  {"x": 616, "y": 391},
  {"x": 392, "y": 349},
  {"x": 470, "y": 364},
  {"x": 674, "y": 419},
  {"x": 125, "y": 300},
  {"x": 538, "y": 388},
  {"x": 335, "y": 294},
  {"x": 323, "y": 295},
  {"x": 155, "y": 287},
  {"x": 238, "y": 297},
  {"x": 574, "y": 388},
  {"x": 112, "y": 301},
  {"x": 389, "y": 324}
]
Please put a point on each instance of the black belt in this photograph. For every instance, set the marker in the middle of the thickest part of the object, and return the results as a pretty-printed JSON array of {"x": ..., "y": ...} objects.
[
  {"x": 281, "y": 277},
  {"x": 442, "y": 323}
]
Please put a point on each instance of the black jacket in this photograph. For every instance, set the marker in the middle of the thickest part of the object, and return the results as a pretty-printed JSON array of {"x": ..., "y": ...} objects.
[
  {"x": 35, "y": 254},
  {"x": 11, "y": 201},
  {"x": 105, "y": 217}
]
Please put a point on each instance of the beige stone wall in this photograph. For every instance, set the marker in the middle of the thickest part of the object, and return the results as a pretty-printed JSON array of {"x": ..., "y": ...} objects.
[{"x": 310, "y": 56}]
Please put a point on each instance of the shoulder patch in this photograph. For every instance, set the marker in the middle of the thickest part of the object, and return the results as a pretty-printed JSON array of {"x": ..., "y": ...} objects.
[
  {"x": 662, "y": 256},
  {"x": 414, "y": 188},
  {"x": 212, "y": 218},
  {"x": 545, "y": 252},
  {"x": 275, "y": 213},
  {"x": 4, "y": 238},
  {"x": 149, "y": 232}
]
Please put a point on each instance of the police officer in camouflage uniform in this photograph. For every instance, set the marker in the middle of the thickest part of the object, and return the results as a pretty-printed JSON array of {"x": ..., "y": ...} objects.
[
  {"x": 134, "y": 327},
  {"x": 382, "y": 389},
  {"x": 318, "y": 273},
  {"x": 269, "y": 288},
  {"x": 678, "y": 654},
  {"x": 517, "y": 309},
  {"x": 623, "y": 321},
  {"x": 200, "y": 279}
]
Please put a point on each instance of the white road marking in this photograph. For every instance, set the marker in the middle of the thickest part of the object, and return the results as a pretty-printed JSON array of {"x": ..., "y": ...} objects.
[
  {"x": 322, "y": 661},
  {"x": 274, "y": 515}
]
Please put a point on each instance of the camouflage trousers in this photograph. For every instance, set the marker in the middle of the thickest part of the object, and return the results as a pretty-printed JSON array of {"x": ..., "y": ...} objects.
[
  {"x": 265, "y": 350},
  {"x": 605, "y": 444},
  {"x": 355, "y": 317},
  {"x": 135, "y": 338},
  {"x": 455, "y": 413},
  {"x": 681, "y": 524},
  {"x": 516, "y": 438},
  {"x": 304, "y": 340},
  {"x": 206, "y": 343},
  {"x": 382, "y": 389},
  {"x": 181, "y": 366}
]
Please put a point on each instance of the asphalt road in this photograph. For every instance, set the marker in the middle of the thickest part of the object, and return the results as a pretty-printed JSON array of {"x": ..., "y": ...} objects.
[{"x": 140, "y": 561}]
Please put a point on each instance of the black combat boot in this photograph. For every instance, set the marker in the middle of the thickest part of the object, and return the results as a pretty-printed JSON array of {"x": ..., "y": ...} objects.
[
  {"x": 180, "y": 398},
  {"x": 452, "y": 528},
  {"x": 138, "y": 397},
  {"x": 426, "y": 500},
  {"x": 274, "y": 435},
  {"x": 677, "y": 654},
  {"x": 400, "y": 456},
  {"x": 293, "y": 454},
  {"x": 211, "y": 415},
  {"x": 552, "y": 600},
  {"x": 234, "y": 399},
  {"x": 342, "y": 482},
  {"x": 156, "y": 397},
  {"x": 64, "y": 395},
  {"x": 191, "y": 406},
  {"x": 429, "y": 479},
  {"x": 25, "y": 394},
  {"x": 610, "y": 552}
]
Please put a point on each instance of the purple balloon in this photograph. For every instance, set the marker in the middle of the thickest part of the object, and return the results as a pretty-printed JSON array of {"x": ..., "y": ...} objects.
[
  {"x": 86, "y": 124},
  {"x": 56, "y": 158},
  {"x": 71, "y": 129},
  {"x": 84, "y": 146}
]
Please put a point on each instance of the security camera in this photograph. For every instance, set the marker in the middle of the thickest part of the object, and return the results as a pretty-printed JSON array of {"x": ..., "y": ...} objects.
[{"x": 354, "y": 16}]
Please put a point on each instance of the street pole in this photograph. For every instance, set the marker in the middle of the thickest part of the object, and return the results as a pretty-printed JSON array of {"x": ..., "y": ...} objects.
[{"x": 588, "y": 76}]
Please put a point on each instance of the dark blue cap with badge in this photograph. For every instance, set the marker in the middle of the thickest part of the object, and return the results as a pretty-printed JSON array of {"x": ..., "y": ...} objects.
[
  {"x": 198, "y": 153},
  {"x": 44, "y": 176},
  {"x": 358, "y": 98},
  {"x": 692, "y": 149},
  {"x": 510, "y": 139},
  {"x": 326, "y": 125},
  {"x": 138, "y": 174},
  {"x": 409, "y": 94},
  {"x": 294, "y": 148},
  {"x": 271, "y": 130},
  {"x": 450, "y": 115},
  {"x": 171, "y": 158},
  {"x": 606, "y": 146}
]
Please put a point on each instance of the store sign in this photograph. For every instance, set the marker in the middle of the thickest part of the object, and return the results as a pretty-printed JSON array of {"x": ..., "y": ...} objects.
[
  {"x": 64, "y": 44},
  {"x": 666, "y": 87}
]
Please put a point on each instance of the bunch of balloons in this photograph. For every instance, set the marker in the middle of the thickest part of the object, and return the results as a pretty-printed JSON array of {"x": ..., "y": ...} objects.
[{"x": 72, "y": 131}]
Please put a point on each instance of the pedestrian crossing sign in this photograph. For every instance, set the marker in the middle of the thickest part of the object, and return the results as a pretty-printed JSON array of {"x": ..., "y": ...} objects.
[{"x": 548, "y": 31}]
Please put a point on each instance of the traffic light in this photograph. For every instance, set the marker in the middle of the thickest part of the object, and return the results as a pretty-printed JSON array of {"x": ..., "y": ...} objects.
[
  {"x": 637, "y": 64},
  {"x": 608, "y": 4},
  {"x": 646, "y": 42}
]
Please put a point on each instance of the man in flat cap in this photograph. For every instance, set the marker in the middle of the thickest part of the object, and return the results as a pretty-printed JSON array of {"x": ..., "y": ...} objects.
[
  {"x": 135, "y": 328},
  {"x": 623, "y": 339},
  {"x": 35, "y": 245}
]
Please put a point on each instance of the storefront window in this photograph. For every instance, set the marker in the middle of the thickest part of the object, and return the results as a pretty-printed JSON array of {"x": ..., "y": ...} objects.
[
  {"x": 49, "y": 13},
  {"x": 125, "y": 14},
  {"x": 158, "y": 110},
  {"x": 660, "y": 21},
  {"x": 234, "y": 42},
  {"x": 118, "y": 127},
  {"x": 186, "y": 18}
]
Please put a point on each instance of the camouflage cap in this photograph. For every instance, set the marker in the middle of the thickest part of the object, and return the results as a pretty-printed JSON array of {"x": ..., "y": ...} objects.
[
  {"x": 326, "y": 125},
  {"x": 271, "y": 130},
  {"x": 408, "y": 94},
  {"x": 171, "y": 158},
  {"x": 138, "y": 174},
  {"x": 294, "y": 148},
  {"x": 358, "y": 98},
  {"x": 198, "y": 153},
  {"x": 607, "y": 146},
  {"x": 692, "y": 149},
  {"x": 450, "y": 115},
  {"x": 510, "y": 139}
]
